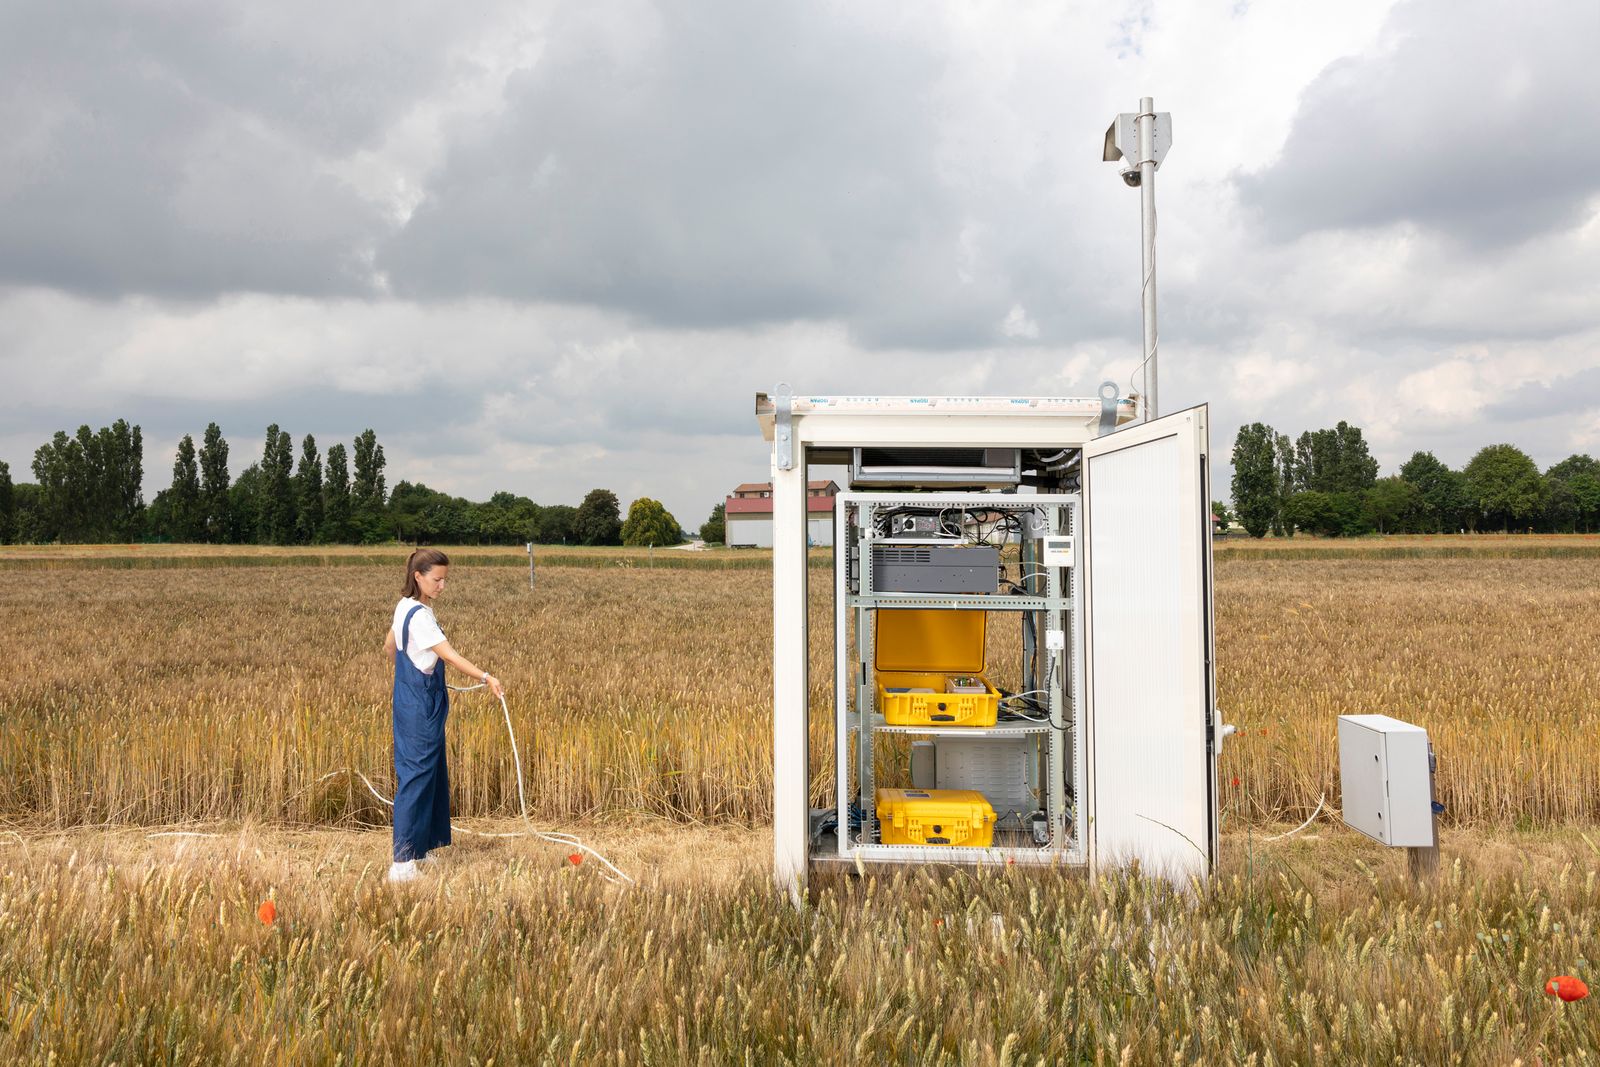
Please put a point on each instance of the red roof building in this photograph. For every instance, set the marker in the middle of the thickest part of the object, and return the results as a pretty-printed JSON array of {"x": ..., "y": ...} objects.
[{"x": 748, "y": 514}]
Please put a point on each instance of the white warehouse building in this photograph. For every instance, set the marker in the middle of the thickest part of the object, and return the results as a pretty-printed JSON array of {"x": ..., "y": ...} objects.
[{"x": 747, "y": 514}]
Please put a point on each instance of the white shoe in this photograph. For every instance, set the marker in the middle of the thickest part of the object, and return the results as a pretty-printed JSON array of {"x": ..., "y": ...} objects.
[{"x": 404, "y": 872}]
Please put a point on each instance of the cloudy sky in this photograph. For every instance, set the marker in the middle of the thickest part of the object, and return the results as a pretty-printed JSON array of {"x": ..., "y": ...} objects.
[{"x": 546, "y": 247}]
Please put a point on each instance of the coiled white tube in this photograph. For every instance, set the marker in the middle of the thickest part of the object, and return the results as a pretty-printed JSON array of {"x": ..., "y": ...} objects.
[{"x": 610, "y": 870}]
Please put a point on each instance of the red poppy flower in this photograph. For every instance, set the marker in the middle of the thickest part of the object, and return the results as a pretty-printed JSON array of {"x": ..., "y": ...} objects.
[{"x": 1567, "y": 988}]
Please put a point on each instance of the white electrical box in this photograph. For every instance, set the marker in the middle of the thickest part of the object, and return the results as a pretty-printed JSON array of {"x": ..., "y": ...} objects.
[
  {"x": 1385, "y": 777},
  {"x": 1057, "y": 552},
  {"x": 994, "y": 767}
]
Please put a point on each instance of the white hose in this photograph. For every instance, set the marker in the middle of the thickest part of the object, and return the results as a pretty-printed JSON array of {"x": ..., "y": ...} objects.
[
  {"x": 1302, "y": 826},
  {"x": 554, "y": 837},
  {"x": 610, "y": 870}
]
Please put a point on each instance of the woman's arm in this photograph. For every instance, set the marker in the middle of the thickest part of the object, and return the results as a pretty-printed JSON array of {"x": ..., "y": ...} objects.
[
  {"x": 466, "y": 666},
  {"x": 388, "y": 645}
]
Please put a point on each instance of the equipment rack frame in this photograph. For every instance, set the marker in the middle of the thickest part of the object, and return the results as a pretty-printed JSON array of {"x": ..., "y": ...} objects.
[{"x": 1054, "y": 744}]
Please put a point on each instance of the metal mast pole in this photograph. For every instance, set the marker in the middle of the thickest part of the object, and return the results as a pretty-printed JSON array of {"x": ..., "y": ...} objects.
[
  {"x": 1141, "y": 139},
  {"x": 1147, "y": 227}
]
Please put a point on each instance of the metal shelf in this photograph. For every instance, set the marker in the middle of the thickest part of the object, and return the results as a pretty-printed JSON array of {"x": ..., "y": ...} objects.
[
  {"x": 1035, "y": 856},
  {"x": 982, "y": 601},
  {"x": 1003, "y": 729}
]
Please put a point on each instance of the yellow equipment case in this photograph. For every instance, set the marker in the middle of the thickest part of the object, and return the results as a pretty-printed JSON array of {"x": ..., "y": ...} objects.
[
  {"x": 935, "y": 817},
  {"x": 921, "y": 648}
]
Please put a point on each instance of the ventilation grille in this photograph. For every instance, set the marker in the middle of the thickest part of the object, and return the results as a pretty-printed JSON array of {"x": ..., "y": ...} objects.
[
  {"x": 936, "y": 457},
  {"x": 954, "y": 468},
  {"x": 901, "y": 554}
]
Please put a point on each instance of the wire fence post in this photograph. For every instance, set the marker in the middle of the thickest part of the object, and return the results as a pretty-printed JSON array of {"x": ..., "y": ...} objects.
[
  {"x": 530, "y": 564},
  {"x": 1423, "y": 862}
]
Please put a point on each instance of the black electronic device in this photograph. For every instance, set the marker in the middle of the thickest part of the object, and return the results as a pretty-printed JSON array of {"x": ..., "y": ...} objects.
[{"x": 934, "y": 568}]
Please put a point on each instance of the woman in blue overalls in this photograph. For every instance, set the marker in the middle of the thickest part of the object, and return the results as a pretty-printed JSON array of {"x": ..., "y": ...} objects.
[{"x": 421, "y": 703}]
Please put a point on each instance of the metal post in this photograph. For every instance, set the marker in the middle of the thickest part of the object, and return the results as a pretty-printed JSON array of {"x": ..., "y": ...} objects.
[
  {"x": 530, "y": 564},
  {"x": 1147, "y": 203},
  {"x": 791, "y": 767},
  {"x": 1423, "y": 863}
]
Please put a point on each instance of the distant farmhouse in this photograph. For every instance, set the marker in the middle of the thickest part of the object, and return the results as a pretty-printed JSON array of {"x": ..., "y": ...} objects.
[{"x": 748, "y": 514}]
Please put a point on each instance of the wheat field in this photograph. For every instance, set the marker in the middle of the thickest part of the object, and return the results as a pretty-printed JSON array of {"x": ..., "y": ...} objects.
[
  {"x": 201, "y": 693},
  {"x": 114, "y": 948},
  {"x": 223, "y": 706}
]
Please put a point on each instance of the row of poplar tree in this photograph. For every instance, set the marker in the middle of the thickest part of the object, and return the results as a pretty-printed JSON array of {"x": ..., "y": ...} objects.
[
  {"x": 88, "y": 490},
  {"x": 1326, "y": 482}
]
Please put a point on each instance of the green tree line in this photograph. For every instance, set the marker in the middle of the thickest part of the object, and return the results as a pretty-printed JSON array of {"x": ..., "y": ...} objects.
[
  {"x": 88, "y": 489},
  {"x": 1326, "y": 482}
]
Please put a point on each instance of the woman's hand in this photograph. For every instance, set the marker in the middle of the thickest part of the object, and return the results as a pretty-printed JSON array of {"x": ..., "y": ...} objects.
[{"x": 467, "y": 667}]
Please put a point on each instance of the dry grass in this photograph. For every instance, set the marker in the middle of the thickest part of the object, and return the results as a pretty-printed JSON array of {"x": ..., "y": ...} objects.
[
  {"x": 1238, "y": 546},
  {"x": 114, "y": 948},
  {"x": 188, "y": 556},
  {"x": 206, "y": 694},
  {"x": 1498, "y": 659},
  {"x": 229, "y": 692},
  {"x": 81, "y": 553},
  {"x": 215, "y": 697}
]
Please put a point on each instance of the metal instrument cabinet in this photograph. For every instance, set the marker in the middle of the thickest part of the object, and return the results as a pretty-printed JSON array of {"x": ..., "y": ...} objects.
[{"x": 1128, "y": 757}]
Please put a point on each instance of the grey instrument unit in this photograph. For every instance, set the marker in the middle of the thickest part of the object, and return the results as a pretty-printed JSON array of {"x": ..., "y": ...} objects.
[{"x": 926, "y": 567}]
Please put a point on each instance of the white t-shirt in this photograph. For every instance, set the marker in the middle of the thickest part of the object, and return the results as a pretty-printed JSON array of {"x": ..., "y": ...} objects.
[{"x": 424, "y": 633}]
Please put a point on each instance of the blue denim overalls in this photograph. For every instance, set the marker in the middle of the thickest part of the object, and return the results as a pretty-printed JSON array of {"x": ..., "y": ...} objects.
[{"x": 422, "y": 784}]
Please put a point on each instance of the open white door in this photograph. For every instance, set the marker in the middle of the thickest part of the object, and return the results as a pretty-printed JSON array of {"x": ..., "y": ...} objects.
[{"x": 1149, "y": 679}]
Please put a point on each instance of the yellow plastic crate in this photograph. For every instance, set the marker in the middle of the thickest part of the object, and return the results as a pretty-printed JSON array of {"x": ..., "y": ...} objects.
[
  {"x": 935, "y": 817},
  {"x": 920, "y": 648},
  {"x": 901, "y": 707}
]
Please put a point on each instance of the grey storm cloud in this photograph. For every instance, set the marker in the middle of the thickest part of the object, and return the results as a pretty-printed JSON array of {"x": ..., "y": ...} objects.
[
  {"x": 726, "y": 163},
  {"x": 545, "y": 245},
  {"x": 707, "y": 163},
  {"x": 184, "y": 149},
  {"x": 1564, "y": 396},
  {"x": 1476, "y": 119},
  {"x": 717, "y": 164}
]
